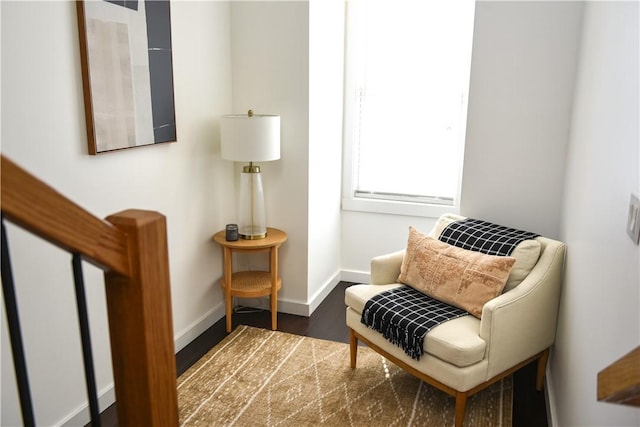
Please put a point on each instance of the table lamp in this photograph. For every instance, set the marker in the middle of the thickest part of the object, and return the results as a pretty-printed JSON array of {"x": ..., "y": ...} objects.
[{"x": 250, "y": 138}]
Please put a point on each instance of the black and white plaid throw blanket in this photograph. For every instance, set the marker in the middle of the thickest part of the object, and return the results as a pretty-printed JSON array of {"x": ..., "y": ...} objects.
[
  {"x": 483, "y": 236},
  {"x": 404, "y": 315}
]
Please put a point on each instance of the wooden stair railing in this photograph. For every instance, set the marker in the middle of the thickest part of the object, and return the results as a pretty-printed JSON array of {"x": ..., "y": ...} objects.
[
  {"x": 620, "y": 381},
  {"x": 131, "y": 248}
]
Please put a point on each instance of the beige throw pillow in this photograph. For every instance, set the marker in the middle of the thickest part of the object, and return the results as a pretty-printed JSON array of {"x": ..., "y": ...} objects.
[{"x": 462, "y": 278}]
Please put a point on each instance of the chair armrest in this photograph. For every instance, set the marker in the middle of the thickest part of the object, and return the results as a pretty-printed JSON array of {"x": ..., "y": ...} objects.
[
  {"x": 522, "y": 322},
  {"x": 385, "y": 269}
]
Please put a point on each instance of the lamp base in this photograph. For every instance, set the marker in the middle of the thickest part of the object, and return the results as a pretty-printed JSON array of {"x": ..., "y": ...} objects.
[
  {"x": 251, "y": 224},
  {"x": 253, "y": 236}
]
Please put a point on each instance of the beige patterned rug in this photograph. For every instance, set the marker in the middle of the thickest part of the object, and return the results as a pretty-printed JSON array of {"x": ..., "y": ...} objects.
[{"x": 257, "y": 377}]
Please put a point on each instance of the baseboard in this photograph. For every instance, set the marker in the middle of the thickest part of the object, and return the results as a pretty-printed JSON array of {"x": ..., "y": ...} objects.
[
  {"x": 195, "y": 329},
  {"x": 322, "y": 293},
  {"x": 298, "y": 308},
  {"x": 81, "y": 416},
  {"x": 549, "y": 393},
  {"x": 301, "y": 308},
  {"x": 355, "y": 276}
]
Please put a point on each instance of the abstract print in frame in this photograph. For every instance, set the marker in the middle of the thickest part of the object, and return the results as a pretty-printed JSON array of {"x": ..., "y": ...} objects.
[{"x": 127, "y": 73}]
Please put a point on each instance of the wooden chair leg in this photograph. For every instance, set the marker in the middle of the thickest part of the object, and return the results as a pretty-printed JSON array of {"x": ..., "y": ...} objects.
[
  {"x": 542, "y": 369},
  {"x": 353, "y": 347},
  {"x": 461, "y": 407}
]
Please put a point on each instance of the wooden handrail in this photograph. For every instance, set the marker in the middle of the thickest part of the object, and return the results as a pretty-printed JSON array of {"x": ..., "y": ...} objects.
[
  {"x": 620, "y": 381},
  {"x": 38, "y": 208},
  {"x": 131, "y": 247},
  {"x": 139, "y": 307}
]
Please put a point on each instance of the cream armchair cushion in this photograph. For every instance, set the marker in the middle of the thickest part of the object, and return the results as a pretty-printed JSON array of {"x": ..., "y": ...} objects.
[{"x": 457, "y": 340}]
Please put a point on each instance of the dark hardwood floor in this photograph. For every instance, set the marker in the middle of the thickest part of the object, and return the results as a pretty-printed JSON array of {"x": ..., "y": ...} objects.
[{"x": 328, "y": 322}]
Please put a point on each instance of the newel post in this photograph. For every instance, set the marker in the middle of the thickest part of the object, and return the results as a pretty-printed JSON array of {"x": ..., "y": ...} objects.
[{"x": 141, "y": 325}]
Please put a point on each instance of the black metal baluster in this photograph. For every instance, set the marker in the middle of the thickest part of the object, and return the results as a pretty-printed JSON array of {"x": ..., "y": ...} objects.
[
  {"x": 13, "y": 322},
  {"x": 85, "y": 335}
]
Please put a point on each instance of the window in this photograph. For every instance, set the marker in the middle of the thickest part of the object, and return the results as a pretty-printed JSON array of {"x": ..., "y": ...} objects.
[{"x": 407, "y": 78}]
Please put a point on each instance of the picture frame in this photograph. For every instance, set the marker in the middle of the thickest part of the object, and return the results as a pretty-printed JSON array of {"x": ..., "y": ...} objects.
[{"x": 127, "y": 73}]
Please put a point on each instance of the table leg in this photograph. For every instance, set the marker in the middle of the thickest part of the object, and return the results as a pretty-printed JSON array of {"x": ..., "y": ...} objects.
[
  {"x": 273, "y": 268},
  {"x": 227, "y": 286}
]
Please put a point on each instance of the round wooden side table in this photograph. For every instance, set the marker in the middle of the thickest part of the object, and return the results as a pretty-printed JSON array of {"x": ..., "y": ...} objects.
[{"x": 251, "y": 284}]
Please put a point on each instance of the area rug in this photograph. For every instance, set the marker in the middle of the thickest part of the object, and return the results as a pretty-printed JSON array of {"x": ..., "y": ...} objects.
[{"x": 257, "y": 377}]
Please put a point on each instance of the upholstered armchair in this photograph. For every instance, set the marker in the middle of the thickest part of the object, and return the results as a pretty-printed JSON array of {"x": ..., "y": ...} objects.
[{"x": 464, "y": 355}]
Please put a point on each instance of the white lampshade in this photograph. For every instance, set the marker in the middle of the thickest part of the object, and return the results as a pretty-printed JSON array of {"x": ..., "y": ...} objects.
[{"x": 250, "y": 138}]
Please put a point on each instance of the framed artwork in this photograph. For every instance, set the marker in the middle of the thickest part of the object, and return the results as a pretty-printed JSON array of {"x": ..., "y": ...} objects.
[{"x": 127, "y": 73}]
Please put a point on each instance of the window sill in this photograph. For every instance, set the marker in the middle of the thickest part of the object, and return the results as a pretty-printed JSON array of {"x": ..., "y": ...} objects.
[{"x": 396, "y": 208}]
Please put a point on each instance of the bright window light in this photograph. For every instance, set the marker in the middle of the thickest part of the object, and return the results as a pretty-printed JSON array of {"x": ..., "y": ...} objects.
[{"x": 407, "y": 79}]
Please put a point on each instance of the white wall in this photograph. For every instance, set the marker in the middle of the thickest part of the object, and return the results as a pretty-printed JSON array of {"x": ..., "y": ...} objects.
[
  {"x": 287, "y": 60},
  {"x": 600, "y": 308},
  {"x": 43, "y": 130},
  {"x": 523, "y": 65},
  {"x": 365, "y": 235},
  {"x": 522, "y": 74},
  {"x": 326, "y": 66},
  {"x": 270, "y": 44}
]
